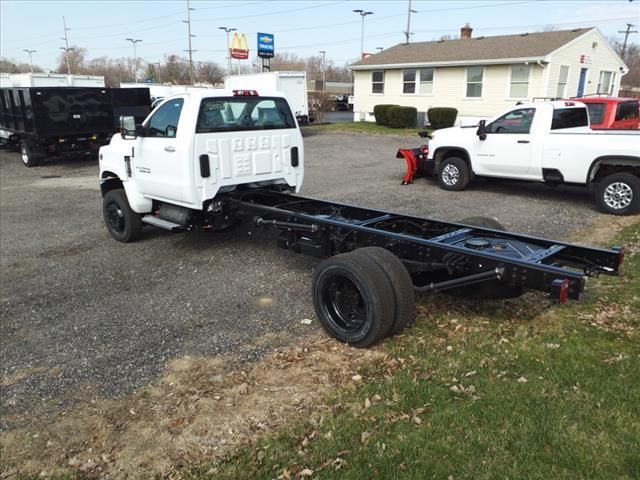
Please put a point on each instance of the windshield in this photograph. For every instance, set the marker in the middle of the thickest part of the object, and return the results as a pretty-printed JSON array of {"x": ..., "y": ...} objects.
[{"x": 241, "y": 113}]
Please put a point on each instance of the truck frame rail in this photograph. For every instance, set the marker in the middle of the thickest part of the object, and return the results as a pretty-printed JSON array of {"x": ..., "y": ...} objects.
[{"x": 438, "y": 255}]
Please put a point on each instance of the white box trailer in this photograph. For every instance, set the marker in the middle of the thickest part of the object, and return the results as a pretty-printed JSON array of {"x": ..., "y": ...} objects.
[
  {"x": 292, "y": 84},
  {"x": 28, "y": 80},
  {"x": 158, "y": 91}
]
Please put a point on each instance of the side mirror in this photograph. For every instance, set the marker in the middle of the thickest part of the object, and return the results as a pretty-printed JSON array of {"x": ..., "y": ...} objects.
[
  {"x": 128, "y": 128},
  {"x": 482, "y": 130}
]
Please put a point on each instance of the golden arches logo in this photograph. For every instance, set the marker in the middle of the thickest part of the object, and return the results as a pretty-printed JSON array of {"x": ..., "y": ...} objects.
[{"x": 239, "y": 46}]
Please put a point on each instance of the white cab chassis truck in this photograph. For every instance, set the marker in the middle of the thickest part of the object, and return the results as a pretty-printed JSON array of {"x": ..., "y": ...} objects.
[
  {"x": 206, "y": 159},
  {"x": 547, "y": 142}
]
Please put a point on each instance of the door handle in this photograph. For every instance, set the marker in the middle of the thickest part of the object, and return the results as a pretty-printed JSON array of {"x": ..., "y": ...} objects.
[
  {"x": 523, "y": 141},
  {"x": 169, "y": 148}
]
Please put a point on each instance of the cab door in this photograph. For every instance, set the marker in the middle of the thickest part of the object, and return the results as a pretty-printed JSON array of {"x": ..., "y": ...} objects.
[
  {"x": 159, "y": 159},
  {"x": 507, "y": 149}
]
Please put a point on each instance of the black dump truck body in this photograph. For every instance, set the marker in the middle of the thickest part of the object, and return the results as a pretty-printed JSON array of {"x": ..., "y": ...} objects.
[{"x": 59, "y": 121}]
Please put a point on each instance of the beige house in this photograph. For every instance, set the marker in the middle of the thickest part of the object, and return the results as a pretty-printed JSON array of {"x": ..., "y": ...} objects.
[{"x": 483, "y": 76}]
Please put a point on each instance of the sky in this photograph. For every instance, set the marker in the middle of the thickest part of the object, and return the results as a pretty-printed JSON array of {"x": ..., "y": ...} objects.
[{"x": 303, "y": 28}]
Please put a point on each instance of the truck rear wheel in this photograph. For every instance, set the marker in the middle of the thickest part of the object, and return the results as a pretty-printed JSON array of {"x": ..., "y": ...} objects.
[
  {"x": 123, "y": 224},
  {"x": 401, "y": 284},
  {"x": 31, "y": 156},
  {"x": 453, "y": 174},
  {"x": 619, "y": 194},
  {"x": 485, "y": 222},
  {"x": 353, "y": 299}
]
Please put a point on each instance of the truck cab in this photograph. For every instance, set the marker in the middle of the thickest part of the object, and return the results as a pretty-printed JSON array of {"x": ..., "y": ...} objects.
[{"x": 198, "y": 144}]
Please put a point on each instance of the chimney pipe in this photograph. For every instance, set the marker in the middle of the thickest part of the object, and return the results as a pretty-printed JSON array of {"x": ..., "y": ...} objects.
[{"x": 465, "y": 32}]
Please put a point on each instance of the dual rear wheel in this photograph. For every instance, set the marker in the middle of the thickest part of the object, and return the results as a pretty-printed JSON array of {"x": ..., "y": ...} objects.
[{"x": 363, "y": 296}]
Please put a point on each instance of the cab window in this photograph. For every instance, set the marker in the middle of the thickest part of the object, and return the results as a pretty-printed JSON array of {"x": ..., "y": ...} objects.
[
  {"x": 516, "y": 121},
  {"x": 241, "y": 113},
  {"x": 164, "y": 122},
  {"x": 569, "y": 118}
]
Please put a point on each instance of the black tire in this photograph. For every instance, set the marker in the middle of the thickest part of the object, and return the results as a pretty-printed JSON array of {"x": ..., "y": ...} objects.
[
  {"x": 401, "y": 284},
  {"x": 353, "y": 299},
  {"x": 453, "y": 174},
  {"x": 492, "y": 289},
  {"x": 619, "y": 194},
  {"x": 31, "y": 156},
  {"x": 484, "y": 222},
  {"x": 123, "y": 224}
]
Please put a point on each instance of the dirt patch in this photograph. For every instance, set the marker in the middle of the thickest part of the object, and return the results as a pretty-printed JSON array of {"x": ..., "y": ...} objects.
[
  {"x": 24, "y": 373},
  {"x": 603, "y": 231},
  {"x": 197, "y": 411}
]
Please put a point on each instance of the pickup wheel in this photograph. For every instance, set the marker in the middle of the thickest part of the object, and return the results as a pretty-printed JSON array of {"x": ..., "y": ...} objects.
[
  {"x": 453, "y": 174},
  {"x": 123, "y": 224},
  {"x": 353, "y": 299},
  {"x": 31, "y": 156},
  {"x": 400, "y": 281},
  {"x": 619, "y": 194}
]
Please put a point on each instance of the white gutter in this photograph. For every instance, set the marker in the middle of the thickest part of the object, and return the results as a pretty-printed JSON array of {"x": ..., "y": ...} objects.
[{"x": 455, "y": 63}]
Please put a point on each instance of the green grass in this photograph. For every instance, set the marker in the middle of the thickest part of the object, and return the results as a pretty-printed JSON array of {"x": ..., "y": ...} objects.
[
  {"x": 482, "y": 390},
  {"x": 364, "y": 127}
]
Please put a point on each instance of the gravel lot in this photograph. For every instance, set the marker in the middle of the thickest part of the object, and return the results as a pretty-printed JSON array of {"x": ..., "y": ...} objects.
[{"x": 83, "y": 313}]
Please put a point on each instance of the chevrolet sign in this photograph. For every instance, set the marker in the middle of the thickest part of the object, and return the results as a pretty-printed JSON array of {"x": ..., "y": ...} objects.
[{"x": 265, "y": 45}]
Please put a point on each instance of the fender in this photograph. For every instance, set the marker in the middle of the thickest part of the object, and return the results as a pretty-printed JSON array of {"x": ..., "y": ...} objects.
[
  {"x": 617, "y": 160},
  {"x": 463, "y": 153},
  {"x": 138, "y": 203}
]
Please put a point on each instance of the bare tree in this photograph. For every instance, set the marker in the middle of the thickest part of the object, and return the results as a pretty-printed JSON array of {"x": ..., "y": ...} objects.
[
  {"x": 632, "y": 60},
  {"x": 9, "y": 65},
  {"x": 76, "y": 60},
  {"x": 209, "y": 72}
]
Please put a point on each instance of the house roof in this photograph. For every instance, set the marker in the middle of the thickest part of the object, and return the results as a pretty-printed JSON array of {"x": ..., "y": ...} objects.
[{"x": 525, "y": 45}]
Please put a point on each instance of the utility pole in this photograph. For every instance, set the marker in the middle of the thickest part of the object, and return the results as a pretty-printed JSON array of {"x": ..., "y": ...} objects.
[
  {"x": 66, "y": 44},
  {"x": 30, "y": 52},
  {"x": 228, "y": 29},
  {"x": 159, "y": 68},
  {"x": 324, "y": 58},
  {"x": 362, "y": 14},
  {"x": 188, "y": 22},
  {"x": 135, "y": 58},
  {"x": 626, "y": 37},
  {"x": 408, "y": 33}
]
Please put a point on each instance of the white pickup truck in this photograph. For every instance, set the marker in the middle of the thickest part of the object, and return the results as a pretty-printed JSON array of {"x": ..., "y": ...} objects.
[
  {"x": 193, "y": 146},
  {"x": 544, "y": 142}
]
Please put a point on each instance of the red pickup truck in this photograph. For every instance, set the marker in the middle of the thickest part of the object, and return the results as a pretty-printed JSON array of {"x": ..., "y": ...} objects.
[{"x": 612, "y": 112}]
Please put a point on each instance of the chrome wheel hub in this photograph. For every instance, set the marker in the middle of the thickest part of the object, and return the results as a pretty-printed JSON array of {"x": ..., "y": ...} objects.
[
  {"x": 618, "y": 195},
  {"x": 450, "y": 175}
]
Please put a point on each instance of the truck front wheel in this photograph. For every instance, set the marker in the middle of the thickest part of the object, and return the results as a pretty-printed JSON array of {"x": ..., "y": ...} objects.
[
  {"x": 619, "y": 194},
  {"x": 453, "y": 174},
  {"x": 123, "y": 224},
  {"x": 353, "y": 299}
]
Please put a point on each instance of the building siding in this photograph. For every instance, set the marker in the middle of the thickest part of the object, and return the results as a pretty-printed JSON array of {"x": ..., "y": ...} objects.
[
  {"x": 601, "y": 60},
  {"x": 449, "y": 88}
]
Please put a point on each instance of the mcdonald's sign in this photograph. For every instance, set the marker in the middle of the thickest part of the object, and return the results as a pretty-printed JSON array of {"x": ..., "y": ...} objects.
[{"x": 239, "y": 47}]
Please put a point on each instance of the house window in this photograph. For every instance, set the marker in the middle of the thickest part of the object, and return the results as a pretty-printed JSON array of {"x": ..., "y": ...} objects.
[
  {"x": 519, "y": 87},
  {"x": 605, "y": 85},
  {"x": 426, "y": 81},
  {"x": 377, "y": 81},
  {"x": 409, "y": 81},
  {"x": 418, "y": 81},
  {"x": 475, "y": 76},
  {"x": 561, "y": 90}
]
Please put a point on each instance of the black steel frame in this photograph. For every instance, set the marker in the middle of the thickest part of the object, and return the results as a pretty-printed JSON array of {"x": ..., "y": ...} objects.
[{"x": 451, "y": 253}]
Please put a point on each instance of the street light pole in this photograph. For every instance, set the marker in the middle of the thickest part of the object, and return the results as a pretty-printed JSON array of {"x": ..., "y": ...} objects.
[
  {"x": 228, "y": 29},
  {"x": 135, "y": 58},
  {"x": 324, "y": 57},
  {"x": 159, "y": 68},
  {"x": 30, "y": 52},
  {"x": 362, "y": 14}
]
